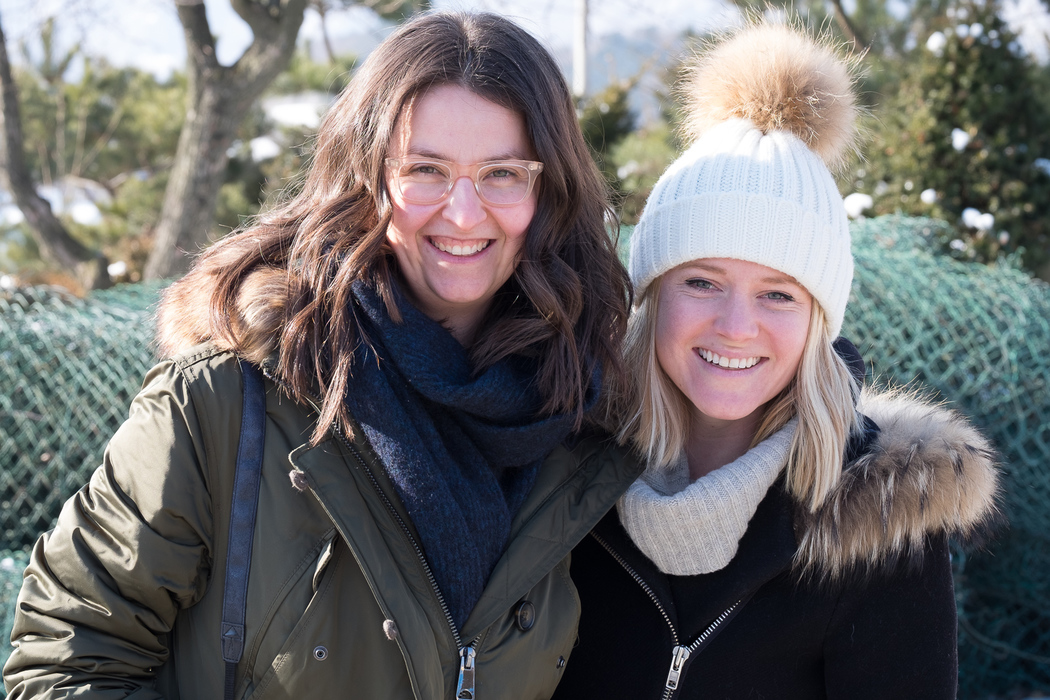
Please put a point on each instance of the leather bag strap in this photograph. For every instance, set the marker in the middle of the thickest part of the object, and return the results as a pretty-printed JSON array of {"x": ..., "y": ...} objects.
[{"x": 247, "y": 475}]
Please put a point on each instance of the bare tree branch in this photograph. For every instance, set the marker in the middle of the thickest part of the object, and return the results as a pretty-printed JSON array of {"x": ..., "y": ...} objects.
[
  {"x": 101, "y": 141},
  {"x": 78, "y": 144},
  {"x": 321, "y": 8},
  {"x": 54, "y": 240},
  {"x": 45, "y": 166},
  {"x": 219, "y": 97},
  {"x": 847, "y": 26},
  {"x": 60, "y": 133}
]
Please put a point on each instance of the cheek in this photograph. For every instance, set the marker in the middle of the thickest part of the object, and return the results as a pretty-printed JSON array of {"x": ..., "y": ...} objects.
[
  {"x": 514, "y": 222},
  {"x": 671, "y": 337},
  {"x": 792, "y": 339},
  {"x": 405, "y": 223}
]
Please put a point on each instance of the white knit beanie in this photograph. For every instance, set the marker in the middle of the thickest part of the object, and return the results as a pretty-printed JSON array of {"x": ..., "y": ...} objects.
[{"x": 770, "y": 109}]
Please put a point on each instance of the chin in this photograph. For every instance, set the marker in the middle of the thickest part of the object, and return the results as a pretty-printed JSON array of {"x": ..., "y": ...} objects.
[{"x": 728, "y": 411}]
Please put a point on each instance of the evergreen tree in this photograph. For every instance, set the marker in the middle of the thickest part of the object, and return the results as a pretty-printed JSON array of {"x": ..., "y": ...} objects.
[
  {"x": 606, "y": 119},
  {"x": 966, "y": 139}
]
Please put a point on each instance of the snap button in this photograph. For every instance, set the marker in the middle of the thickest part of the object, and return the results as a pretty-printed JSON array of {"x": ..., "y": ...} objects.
[
  {"x": 320, "y": 653},
  {"x": 525, "y": 615}
]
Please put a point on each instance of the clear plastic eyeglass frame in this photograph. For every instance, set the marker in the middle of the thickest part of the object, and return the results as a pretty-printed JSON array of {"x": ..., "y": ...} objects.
[{"x": 419, "y": 186}]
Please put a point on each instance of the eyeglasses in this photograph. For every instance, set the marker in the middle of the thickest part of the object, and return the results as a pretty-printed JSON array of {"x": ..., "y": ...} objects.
[{"x": 498, "y": 183}]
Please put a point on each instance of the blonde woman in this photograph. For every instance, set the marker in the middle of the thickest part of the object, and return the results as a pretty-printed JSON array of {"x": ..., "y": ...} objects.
[{"x": 784, "y": 540}]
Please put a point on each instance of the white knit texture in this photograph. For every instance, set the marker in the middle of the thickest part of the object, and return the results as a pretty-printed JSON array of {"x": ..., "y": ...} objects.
[
  {"x": 688, "y": 529},
  {"x": 763, "y": 198}
]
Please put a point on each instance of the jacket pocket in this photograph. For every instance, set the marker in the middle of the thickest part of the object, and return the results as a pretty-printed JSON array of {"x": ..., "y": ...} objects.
[
  {"x": 338, "y": 647},
  {"x": 286, "y": 608}
]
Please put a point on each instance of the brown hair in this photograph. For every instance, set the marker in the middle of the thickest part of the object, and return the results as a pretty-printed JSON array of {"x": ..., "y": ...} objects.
[{"x": 565, "y": 304}]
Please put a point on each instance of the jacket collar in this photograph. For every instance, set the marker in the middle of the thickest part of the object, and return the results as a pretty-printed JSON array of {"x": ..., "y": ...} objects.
[
  {"x": 928, "y": 471},
  {"x": 573, "y": 489},
  {"x": 766, "y": 550}
]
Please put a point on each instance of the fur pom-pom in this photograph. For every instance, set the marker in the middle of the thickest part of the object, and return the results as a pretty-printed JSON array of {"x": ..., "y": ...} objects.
[{"x": 780, "y": 79}]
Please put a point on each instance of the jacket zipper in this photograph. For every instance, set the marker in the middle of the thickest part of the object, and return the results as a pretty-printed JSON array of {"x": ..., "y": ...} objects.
[
  {"x": 465, "y": 683},
  {"x": 467, "y": 653},
  {"x": 681, "y": 653}
]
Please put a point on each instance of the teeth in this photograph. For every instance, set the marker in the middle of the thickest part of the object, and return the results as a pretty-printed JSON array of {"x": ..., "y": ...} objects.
[
  {"x": 734, "y": 363},
  {"x": 461, "y": 250}
]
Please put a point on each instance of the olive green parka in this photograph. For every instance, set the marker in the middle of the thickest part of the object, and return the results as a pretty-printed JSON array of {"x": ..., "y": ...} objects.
[{"x": 123, "y": 599}]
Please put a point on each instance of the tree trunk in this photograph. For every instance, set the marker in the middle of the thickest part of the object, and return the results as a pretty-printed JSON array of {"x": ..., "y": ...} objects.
[
  {"x": 321, "y": 8},
  {"x": 847, "y": 26},
  {"x": 219, "y": 99},
  {"x": 56, "y": 245}
]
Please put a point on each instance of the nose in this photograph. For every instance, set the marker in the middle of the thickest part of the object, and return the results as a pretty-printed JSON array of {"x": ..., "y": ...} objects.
[
  {"x": 463, "y": 207},
  {"x": 737, "y": 320}
]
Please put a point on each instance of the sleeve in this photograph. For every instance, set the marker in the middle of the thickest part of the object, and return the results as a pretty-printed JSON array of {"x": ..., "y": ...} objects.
[
  {"x": 129, "y": 550},
  {"x": 895, "y": 636}
]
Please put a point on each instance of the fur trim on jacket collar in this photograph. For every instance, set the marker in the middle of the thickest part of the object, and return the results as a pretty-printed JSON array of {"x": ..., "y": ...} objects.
[
  {"x": 184, "y": 317},
  {"x": 929, "y": 471}
]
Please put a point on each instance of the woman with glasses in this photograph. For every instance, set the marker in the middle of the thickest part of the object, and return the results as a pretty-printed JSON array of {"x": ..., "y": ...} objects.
[{"x": 433, "y": 314}]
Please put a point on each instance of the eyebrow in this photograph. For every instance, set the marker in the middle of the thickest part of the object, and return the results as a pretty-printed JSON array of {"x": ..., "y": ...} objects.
[
  {"x": 427, "y": 153},
  {"x": 780, "y": 279},
  {"x": 770, "y": 279}
]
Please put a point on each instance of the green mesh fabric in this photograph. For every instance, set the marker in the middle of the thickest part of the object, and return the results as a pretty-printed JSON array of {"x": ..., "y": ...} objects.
[
  {"x": 12, "y": 564},
  {"x": 978, "y": 337},
  {"x": 68, "y": 369},
  {"x": 975, "y": 336}
]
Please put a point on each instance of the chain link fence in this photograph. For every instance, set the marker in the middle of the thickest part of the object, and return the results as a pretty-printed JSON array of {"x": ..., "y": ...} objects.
[
  {"x": 68, "y": 368},
  {"x": 977, "y": 336}
]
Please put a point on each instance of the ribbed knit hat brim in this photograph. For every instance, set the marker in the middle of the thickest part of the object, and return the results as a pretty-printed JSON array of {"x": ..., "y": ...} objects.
[{"x": 764, "y": 198}]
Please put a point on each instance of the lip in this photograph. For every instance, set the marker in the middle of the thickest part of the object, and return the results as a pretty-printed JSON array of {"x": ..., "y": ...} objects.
[
  {"x": 459, "y": 249},
  {"x": 733, "y": 364}
]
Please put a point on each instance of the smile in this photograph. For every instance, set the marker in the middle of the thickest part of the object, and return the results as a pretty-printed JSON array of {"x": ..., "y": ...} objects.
[
  {"x": 728, "y": 363},
  {"x": 461, "y": 249}
]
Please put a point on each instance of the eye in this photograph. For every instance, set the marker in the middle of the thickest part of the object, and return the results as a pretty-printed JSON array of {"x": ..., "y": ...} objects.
[
  {"x": 423, "y": 169},
  {"x": 779, "y": 296},
  {"x": 699, "y": 283},
  {"x": 504, "y": 173}
]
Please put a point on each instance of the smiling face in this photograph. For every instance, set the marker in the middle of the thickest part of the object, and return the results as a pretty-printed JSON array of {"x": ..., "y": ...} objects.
[
  {"x": 456, "y": 253},
  {"x": 730, "y": 335}
]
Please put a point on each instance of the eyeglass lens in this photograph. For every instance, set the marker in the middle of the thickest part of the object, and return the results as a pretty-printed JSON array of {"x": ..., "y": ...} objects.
[{"x": 426, "y": 182}]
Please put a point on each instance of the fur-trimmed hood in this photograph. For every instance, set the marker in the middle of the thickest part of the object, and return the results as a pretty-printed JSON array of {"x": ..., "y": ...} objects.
[
  {"x": 184, "y": 315},
  {"x": 928, "y": 471}
]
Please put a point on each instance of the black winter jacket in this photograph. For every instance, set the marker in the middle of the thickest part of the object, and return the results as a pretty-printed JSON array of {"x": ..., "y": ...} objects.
[{"x": 853, "y": 602}]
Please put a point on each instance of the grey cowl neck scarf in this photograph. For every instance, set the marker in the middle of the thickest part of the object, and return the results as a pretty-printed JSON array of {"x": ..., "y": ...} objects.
[{"x": 694, "y": 528}]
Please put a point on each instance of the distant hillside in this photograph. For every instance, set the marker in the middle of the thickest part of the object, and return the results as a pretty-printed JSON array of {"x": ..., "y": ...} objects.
[{"x": 612, "y": 57}]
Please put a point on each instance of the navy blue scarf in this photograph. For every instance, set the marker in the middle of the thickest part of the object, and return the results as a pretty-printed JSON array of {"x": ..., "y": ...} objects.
[{"x": 462, "y": 450}]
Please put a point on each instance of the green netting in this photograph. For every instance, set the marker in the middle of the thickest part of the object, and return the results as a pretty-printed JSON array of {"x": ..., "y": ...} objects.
[
  {"x": 979, "y": 337},
  {"x": 12, "y": 564},
  {"x": 975, "y": 335},
  {"x": 68, "y": 369}
]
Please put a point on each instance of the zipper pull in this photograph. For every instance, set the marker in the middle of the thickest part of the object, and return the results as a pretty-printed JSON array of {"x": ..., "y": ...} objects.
[
  {"x": 465, "y": 687},
  {"x": 678, "y": 659}
]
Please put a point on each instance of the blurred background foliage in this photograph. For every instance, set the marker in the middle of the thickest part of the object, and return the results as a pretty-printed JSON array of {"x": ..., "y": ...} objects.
[
  {"x": 957, "y": 128},
  {"x": 109, "y": 131},
  {"x": 957, "y": 131}
]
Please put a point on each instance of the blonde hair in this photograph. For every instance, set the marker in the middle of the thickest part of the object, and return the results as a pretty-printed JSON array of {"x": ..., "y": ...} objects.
[{"x": 655, "y": 413}]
